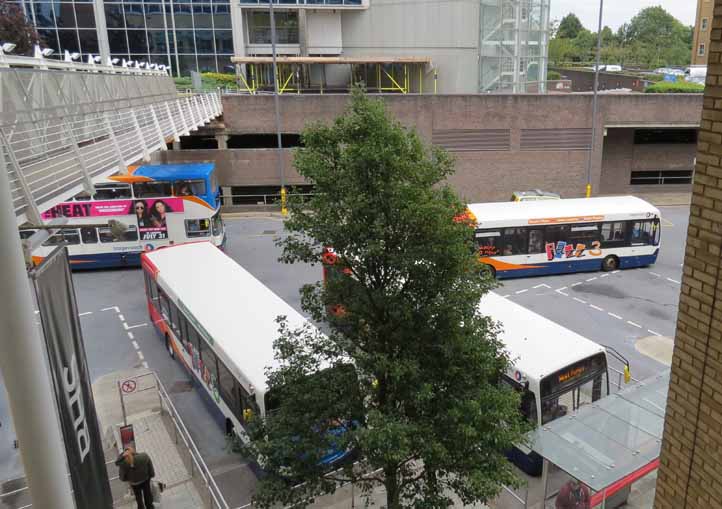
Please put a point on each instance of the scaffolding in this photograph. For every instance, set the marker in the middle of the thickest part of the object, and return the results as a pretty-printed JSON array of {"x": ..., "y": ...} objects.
[
  {"x": 513, "y": 49},
  {"x": 401, "y": 75}
]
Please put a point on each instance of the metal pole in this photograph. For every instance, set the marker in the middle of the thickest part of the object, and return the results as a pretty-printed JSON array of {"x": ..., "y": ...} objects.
[
  {"x": 281, "y": 172},
  {"x": 122, "y": 403},
  {"x": 25, "y": 369},
  {"x": 594, "y": 101}
]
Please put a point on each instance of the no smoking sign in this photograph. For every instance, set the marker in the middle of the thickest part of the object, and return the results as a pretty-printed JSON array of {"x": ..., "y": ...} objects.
[{"x": 128, "y": 386}]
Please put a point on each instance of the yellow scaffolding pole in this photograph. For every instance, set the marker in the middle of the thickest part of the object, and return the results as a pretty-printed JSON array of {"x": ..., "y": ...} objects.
[
  {"x": 285, "y": 85},
  {"x": 245, "y": 83},
  {"x": 396, "y": 83}
]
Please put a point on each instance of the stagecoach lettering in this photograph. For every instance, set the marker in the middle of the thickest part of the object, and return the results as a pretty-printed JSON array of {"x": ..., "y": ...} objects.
[{"x": 75, "y": 405}]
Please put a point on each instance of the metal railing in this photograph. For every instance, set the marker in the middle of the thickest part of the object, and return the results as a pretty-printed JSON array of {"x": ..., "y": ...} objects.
[{"x": 260, "y": 199}]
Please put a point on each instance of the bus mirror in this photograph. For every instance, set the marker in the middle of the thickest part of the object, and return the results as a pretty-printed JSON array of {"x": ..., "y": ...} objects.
[{"x": 627, "y": 374}]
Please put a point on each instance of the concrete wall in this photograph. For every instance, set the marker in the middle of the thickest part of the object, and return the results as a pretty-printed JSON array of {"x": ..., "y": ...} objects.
[
  {"x": 484, "y": 174},
  {"x": 583, "y": 80},
  {"x": 448, "y": 32}
]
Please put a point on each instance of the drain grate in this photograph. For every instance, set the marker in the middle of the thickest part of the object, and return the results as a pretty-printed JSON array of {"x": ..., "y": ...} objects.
[{"x": 269, "y": 232}]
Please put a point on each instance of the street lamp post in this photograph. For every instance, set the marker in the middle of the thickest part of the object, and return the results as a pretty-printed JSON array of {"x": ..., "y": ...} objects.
[
  {"x": 594, "y": 102},
  {"x": 281, "y": 172}
]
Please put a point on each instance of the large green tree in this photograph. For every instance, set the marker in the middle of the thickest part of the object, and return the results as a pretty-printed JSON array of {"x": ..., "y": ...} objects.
[
  {"x": 569, "y": 27},
  {"x": 424, "y": 410}
]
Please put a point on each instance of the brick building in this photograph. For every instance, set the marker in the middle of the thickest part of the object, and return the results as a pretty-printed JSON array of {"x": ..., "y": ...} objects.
[{"x": 702, "y": 30}]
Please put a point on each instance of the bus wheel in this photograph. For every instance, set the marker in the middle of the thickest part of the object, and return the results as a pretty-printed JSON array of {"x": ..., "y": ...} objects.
[
  {"x": 490, "y": 269},
  {"x": 610, "y": 263},
  {"x": 169, "y": 347}
]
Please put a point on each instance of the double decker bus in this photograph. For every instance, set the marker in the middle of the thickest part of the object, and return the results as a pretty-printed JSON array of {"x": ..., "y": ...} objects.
[
  {"x": 534, "y": 238},
  {"x": 554, "y": 369},
  {"x": 152, "y": 206},
  {"x": 220, "y": 322}
]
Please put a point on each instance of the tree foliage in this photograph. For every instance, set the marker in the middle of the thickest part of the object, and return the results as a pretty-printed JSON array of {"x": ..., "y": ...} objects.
[
  {"x": 424, "y": 411},
  {"x": 653, "y": 38},
  {"x": 569, "y": 27},
  {"x": 16, "y": 28}
]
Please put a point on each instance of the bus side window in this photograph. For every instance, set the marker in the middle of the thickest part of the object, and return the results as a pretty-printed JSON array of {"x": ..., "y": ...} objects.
[
  {"x": 152, "y": 189},
  {"x": 89, "y": 235},
  {"x": 536, "y": 241},
  {"x": 112, "y": 191},
  {"x": 515, "y": 241},
  {"x": 189, "y": 188},
  {"x": 226, "y": 388},
  {"x": 584, "y": 234},
  {"x": 527, "y": 405},
  {"x": 642, "y": 232},
  {"x": 614, "y": 233},
  {"x": 198, "y": 228},
  {"x": 70, "y": 237},
  {"x": 489, "y": 242}
]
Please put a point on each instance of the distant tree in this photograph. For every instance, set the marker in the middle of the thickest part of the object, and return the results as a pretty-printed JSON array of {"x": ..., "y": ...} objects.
[
  {"x": 16, "y": 28},
  {"x": 569, "y": 27},
  {"x": 585, "y": 44},
  {"x": 562, "y": 51},
  {"x": 553, "y": 28},
  {"x": 608, "y": 37},
  {"x": 656, "y": 38},
  {"x": 436, "y": 422}
]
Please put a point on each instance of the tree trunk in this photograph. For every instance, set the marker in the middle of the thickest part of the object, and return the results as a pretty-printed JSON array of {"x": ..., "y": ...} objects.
[{"x": 392, "y": 489}]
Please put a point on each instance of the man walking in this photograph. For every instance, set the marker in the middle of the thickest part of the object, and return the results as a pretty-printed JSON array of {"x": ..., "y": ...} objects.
[{"x": 137, "y": 470}]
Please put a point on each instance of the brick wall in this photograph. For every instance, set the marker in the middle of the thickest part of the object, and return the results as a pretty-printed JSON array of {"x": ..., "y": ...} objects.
[{"x": 690, "y": 475}]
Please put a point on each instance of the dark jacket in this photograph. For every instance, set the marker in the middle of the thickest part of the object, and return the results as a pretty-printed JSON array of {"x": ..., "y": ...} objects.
[{"x": 141, "y": 471}]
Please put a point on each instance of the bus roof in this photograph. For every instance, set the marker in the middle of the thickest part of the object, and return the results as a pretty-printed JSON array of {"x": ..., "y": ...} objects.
[
  {"x": 235, "y": 308},
  {"x": 561, "y": 211},
  {"x": 183, "y": 171},
  {"x": 537, "y": 346}
]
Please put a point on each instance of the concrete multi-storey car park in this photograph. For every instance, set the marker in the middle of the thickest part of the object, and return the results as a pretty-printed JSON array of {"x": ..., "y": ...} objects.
[
  {"x": 472, "y": 45},
  {"x": 502, "y": 143}
]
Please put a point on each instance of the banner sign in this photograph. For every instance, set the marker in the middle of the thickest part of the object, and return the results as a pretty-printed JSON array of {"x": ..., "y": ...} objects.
[
  {"x": 143, "y": 209},
  {"x": 55, "y": 296}
]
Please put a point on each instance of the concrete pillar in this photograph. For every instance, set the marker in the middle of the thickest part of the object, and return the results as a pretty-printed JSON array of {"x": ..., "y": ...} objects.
[
  {"x": 222, "y": 140},
  {"x": 102, "y": 30},
  {"x": 690, "y": 476},
  {"x": 227, "y": 195},
  {"x": 176, "y": 145}
]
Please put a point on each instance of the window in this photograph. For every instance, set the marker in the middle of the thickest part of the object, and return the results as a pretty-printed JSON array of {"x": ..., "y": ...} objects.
[
  {"x": 489, "y": 242},
  {"x": 614, "y": 232},
  {"x": 89, "y": 235},
  {"x": 700, "y": 50},
  {"x": 217, "y": 224},
  {"x": 198, "y": 228},
  {"x": 152, "y": 189},
  {"x": 226, "y": 386},
  {"x": 190, "y": 187},
  {"x": 643, "y": 232},
  {"x": 112, "y": 192},
  {"x": 130, "y": 235},
  {"x": 665, "y": 136},
  {"x": 536, "y": 241},
  {"x": 584, "y": 234},
  {"x": 662, "y": 177},
  {"x": 164, "y": 304},
  {"x": 515, "y": 241},
  {"x": 527, "y": 405},
  {"x": 556, "y": 233},
  {"x": 175, "y": 321},
  {"x": 70, "y": 237},
  {"x": 248, "y": 402},
  {"x": 210, "y": 370},
  {"x": 704, "y": 24}
]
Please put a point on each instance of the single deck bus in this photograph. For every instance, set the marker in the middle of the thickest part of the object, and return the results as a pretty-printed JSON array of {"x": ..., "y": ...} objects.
[
  {"x": 571, "y": 235},
  {"x": 157, "y": 205},
  {"x": 553, "y": 368},
  {"x": 220, "y": 322}
]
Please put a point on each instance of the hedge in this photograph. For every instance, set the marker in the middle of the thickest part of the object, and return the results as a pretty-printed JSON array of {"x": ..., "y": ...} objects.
[
  {"x": 553, "y": 76},
  {"x": 677, "y": 87}
]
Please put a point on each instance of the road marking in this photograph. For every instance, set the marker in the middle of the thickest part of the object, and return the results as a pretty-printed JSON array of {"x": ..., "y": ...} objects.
[
  {"x": 113, "y": 308},
  {"x": 559, "y": 290},
  {"x": 653, "y": 333},
  {"x": 634, "y": 324},
  {"x": 667, "y": 222},
  {"x": 541, "y": 286},
  {"x": 614, "y": 316},
  {"x": 130, "y": 335},
  {"x": 504, "y": 296},
  {"x": 133, "y": 326},
  {"x": 673, "y": 281},
  {"x": 580, "y": 300},
  {"x": 145, "y": 365},
  {"x": 576, "y": 284},
  {"x": 591, "y": 279},
  {"x": 655, "y": 274},
  {"x": 595, "y": 307},
  {"x": 37, "y": 312},
  {"x": 140, "y": 355},
  {"x": 604, "y": 275},
  {"x": 122, "y": 318},
  {"x": 614, "y": 271},
  {"x": 135, "y": 345},
  {"x": 86, "y": 313},
  {"x": 521, "y": 291}
]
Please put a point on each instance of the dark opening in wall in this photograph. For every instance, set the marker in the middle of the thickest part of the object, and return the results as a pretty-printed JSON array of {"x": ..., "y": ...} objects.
[
  {"x": 198, "y": 142},
  {"x": 263, "y": 140},
  {"x": 647, "y": 136},
  {"x": 266, "y": 195},
  {"x": 655, "y": 177}
]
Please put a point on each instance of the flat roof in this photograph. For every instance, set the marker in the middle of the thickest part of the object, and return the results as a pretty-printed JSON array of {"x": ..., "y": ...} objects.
[
  {"x": 610, "y": 439},
  {"x": 332, "y": 60},
  {"x": 236, "y": 309},
  {"x": 175, "y": 171},
  {"x": 537, "y": 346},
  {"x": 566, "y": 210}
]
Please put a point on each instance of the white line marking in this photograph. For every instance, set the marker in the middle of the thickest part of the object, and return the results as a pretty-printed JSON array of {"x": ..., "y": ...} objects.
[
  {"x": 595, "y": 307},
  {"x": 541, "y": 286},
  {"x": 113, "y": 308},
  {"x": 504, "y": 296},
  {"x": 130, "y": 335},
  {"x": 615, "y": 316},
  {"x": 522, "y": 291},
  {"x": 86, "y": 313},
  {"x": 634, "y": 324},
  {"x": 561, "y": 292},
  {"x": 580, "y": 300},
  {"x": 591, "y": 279},
  {"x": 614, "y": 271},
  {"x": 576, "y": 284},
  {"x": 562, "y": 288},
  {"x": 655, "y": 274},
  {"x": 122, "y": 318},
  {"x": 653, "y": 333},
  {"x": 37, "y": 312},
  {"x": 140, "y": 355},
  {"x": 604, "y": 275},
  {"x": 133, "y": 326},
  {"x": 673, "y": 280},
  {"x": 135, "y": 345},
  {"x": 145, "y": 365}
]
